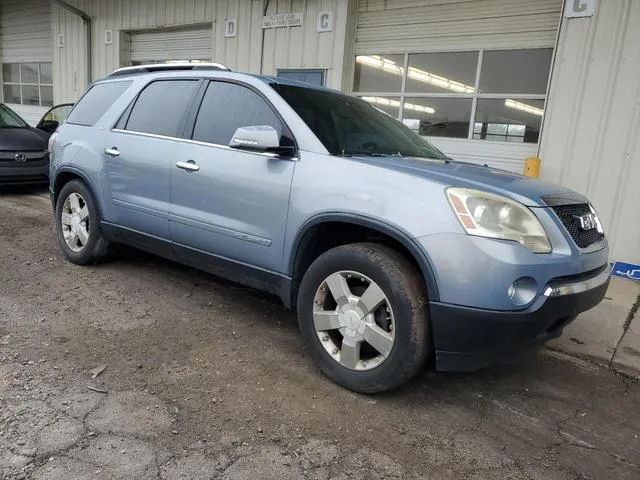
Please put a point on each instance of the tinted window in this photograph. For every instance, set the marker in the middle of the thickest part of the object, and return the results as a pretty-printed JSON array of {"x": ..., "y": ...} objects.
[
  {"x": 162, "y": 106},
  {"x": 226, "y": 107},
  {"x": 95, "y": 102},
  {"x": 350, "y": 126},
  {"x": 10, "y": 119}
]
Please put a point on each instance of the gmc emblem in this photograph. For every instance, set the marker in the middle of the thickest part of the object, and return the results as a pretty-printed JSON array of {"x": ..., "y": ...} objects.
[{"x": 588, "y": 221}]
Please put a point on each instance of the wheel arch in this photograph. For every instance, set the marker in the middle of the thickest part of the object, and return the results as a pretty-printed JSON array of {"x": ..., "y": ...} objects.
[
  {"x": 303, "y": 241},
  {"x": 64, "y": 176}
]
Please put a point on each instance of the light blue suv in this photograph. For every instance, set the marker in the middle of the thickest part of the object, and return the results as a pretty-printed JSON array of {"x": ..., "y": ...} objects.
[{"x": 392, "y": 253}]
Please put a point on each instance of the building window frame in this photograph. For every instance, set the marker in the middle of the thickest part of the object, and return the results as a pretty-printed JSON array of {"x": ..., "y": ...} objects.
[
  {"x": 39, "y": 84},
  {"x": 472, "y": 133}
]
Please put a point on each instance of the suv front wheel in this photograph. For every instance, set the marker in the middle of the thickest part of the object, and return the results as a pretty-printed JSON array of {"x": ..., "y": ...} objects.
[
  {"x": 78, "y": 225},
  {"x": 362, "y": 313}
]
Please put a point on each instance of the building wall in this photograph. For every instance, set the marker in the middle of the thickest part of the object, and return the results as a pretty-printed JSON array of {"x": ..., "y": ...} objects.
[
  {"x": 591, "y": 135},
  {"x": 289, "y": 47}
]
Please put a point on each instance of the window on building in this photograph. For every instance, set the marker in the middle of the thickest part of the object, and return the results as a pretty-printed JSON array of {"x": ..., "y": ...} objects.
[
  {"x": 162, "y": 107},
  {"x": 495, "y": 95},
  {"x": 227, "y": 107},
  {"x": 28, "y": 83}
]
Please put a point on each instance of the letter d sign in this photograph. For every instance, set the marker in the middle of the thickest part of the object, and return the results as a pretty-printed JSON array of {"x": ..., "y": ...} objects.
[{"x": 579, "y": 8}]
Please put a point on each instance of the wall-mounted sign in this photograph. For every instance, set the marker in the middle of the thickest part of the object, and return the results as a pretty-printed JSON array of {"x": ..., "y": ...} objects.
[
  {"x": 626, "y": 270},
  {"x": 230, "y": 28},
  {"x": 579, "y": 8},
  {"x": 324, "y": 22},
  {"x": 294, "y": 19},
  {"x": 108, "y": 37}
]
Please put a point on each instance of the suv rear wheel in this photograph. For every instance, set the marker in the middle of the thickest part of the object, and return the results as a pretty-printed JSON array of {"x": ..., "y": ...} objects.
[
  {"x": 362, "y": 313},
  {"x": 78, "y": 225}
]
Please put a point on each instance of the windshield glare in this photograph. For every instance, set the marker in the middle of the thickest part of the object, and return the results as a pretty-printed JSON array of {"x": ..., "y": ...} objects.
[
  {"x": 349, "y": 126},
  {"x": 10, "y": 119}
]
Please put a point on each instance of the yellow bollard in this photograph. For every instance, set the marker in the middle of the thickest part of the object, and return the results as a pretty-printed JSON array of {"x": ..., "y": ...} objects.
[{"x": 532, "y": 167}]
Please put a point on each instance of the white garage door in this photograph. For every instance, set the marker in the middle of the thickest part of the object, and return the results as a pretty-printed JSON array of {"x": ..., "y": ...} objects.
[
  {"x": 471, "y": 75},
  {"x": 26, "y": 54},
  {"x": 165, "y": 45}
]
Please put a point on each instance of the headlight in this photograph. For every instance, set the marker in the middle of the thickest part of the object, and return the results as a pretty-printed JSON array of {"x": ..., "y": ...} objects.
[{"x": 488, "y": 215}]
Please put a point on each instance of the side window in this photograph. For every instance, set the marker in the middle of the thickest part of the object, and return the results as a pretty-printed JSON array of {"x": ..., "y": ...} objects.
[
  {"x": 161, "y": 107},
  {"x": 95, "y": 102},
  {"x": 226, "y": 107}
]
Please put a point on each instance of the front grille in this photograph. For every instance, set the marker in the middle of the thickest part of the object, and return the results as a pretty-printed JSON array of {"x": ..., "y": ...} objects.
[
  {"x": 568, "y": 215},
  {"x": 30, "y": 158}
]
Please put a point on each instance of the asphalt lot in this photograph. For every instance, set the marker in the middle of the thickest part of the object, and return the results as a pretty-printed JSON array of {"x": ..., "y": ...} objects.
[{"x": 207, "y": 379}]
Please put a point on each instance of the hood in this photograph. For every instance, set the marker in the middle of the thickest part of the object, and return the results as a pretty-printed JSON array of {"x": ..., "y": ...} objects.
[
  {"x": 526, "y": 190},
  {"x": 22, "y": 139}
]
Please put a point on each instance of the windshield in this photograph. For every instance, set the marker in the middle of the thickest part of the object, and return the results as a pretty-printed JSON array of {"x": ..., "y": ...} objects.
[
  {"x": 10, "y": 119},
  {"x": 349, "y": 126}
]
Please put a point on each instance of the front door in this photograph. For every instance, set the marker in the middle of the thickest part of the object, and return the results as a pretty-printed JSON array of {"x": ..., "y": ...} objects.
[
  {"x": 140, "y": 153},
  {"x": 230, "y": 206}
]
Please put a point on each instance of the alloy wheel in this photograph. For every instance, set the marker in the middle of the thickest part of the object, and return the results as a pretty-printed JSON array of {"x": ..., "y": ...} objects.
[
  {"x": 75, "y": 222},
  {"x": 354, "y": 320}
]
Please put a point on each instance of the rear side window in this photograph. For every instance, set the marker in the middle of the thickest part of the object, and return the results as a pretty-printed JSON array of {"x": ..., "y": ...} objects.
[
  {"x": 226, "y": 107},
  {"x": 95, "y": 102},
  {"x": 161, "y": 108}
]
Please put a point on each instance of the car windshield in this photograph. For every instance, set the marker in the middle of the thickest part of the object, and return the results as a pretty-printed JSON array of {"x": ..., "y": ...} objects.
[
  {"x": 350, "y": 126},
  {"x": 10, "y": 119}
]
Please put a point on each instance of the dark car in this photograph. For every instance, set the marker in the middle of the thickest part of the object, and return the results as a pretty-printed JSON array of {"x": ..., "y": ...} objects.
[{"x": 23, "y": 149}]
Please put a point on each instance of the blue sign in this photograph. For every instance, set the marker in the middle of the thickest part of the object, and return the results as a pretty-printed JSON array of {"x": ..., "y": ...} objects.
[{"x": 626, "y": 270}]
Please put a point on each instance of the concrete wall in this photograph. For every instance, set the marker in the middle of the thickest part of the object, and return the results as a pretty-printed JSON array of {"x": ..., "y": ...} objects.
[{"x": 591, "y": 135}]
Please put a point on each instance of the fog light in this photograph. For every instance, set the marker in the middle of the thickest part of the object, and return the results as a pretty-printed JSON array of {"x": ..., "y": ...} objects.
[{"x": 522, "y": 291}]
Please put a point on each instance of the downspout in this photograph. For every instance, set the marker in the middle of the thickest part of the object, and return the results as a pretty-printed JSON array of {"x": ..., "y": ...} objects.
[
  {"x": 87, "y": 23},
  {"x": 549, "y": 80},
  {"x": 264, "y": 12}
]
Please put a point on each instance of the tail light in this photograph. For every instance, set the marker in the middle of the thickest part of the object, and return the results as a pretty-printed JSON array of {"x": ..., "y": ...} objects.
[{"x": 52, "y": 142}]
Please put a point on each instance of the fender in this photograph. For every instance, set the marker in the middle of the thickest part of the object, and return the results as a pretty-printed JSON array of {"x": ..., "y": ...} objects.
[
  {"x": 397, "y": 234},
  {"x": 83, "y": 177}
]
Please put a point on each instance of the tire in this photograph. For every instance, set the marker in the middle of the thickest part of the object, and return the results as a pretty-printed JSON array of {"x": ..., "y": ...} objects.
[
  {"x": 94, "y": 249},
  {"x": 402, "y": 316}
]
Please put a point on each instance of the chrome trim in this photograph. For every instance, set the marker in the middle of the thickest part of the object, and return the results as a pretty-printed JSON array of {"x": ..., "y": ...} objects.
[
  {"x": 28, "y": 155},
  {"x": 113, "y": 152},
  {"x": 204, "y": 144},
  {"x": 577, "y": 287}
]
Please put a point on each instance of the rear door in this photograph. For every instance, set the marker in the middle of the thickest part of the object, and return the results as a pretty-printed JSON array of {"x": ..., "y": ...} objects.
[{"x": 140, "y": 153}]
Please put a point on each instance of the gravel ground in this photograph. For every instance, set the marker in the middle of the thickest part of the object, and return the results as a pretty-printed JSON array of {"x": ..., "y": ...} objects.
[{"x": 207, "y": 379}]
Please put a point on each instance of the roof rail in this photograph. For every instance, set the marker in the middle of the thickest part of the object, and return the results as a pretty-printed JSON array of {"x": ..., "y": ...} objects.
[{"x": 166, "y": 67}]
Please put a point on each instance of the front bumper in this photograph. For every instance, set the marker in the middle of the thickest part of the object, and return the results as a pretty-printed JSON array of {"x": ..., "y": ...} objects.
[
  {"x": 25, "y": 174},
  {"x": 468, "y": 338}
]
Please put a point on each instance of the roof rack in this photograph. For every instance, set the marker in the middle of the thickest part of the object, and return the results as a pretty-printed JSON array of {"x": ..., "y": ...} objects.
[{"x": 167, "y": 67}]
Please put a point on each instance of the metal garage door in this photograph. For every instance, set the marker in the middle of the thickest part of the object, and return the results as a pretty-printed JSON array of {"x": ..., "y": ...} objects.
[
  {"x": 26, "y": 51},
  {"x": 458, "y": 54},
  {"x": 188, "y": 44}
]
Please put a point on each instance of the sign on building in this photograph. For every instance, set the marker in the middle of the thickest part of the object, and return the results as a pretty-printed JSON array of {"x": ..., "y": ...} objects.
[
  {"x": 579, "y": 8},
  {"x": 230, "y": 28},
  {"x": 324, "y": 22},
  {"x": 294, "y": 19}
]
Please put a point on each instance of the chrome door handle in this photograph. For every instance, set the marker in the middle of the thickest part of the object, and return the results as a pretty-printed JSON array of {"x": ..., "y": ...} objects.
[
  {"x": 113, "y": 152},
  {"x": 190, "y": 166}
]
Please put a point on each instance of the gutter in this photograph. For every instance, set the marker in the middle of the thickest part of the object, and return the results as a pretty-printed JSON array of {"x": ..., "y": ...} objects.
[{"x": 87, "y": 23}]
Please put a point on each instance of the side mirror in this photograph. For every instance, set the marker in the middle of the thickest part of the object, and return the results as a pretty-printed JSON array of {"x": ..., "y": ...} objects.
[
  {"x": 259, "y": 138},
  {"x": 48, "y": 126}
]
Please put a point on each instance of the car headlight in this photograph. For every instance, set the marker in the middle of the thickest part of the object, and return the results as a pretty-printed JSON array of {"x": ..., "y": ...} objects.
[{"x": 487, "y": 215}]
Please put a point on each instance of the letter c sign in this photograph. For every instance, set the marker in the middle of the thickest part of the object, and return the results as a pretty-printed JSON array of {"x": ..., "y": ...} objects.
[
  {"x": 579, "y": 8},
  {"x": 324, "y": 22}
]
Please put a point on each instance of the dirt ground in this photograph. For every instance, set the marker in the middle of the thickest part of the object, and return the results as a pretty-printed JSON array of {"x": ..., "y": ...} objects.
[{"x": 207, "y": 379}]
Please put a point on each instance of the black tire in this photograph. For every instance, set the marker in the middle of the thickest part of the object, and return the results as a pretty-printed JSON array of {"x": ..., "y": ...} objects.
[
  {"x": 96, "y": 247},
  {"x": 402, "y": 284}
]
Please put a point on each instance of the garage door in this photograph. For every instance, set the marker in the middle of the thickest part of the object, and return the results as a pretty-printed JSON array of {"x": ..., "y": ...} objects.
[
  {"x": 26, "y": 54},
  {"x": 165, "y": 45},
  {"x": 471, "y": 75}
]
